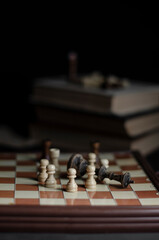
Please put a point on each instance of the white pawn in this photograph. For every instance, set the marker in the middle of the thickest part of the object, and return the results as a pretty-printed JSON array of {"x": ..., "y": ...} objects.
[
  {"x": 105, "y": 162},
  {"x": 90, "y": 182},
  {"x": 71, "y": 185},
  {"x": 50, "y": 181},
  {"x": 43, "y": 174},
  {"x": 91, "y": 159},
  {"x": 54, "y": 156}
]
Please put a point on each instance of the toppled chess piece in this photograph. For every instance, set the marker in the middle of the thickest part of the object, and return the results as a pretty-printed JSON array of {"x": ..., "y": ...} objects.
[
  {"x": 124, "y": 179},
  {"x": 77, "y": 162}
]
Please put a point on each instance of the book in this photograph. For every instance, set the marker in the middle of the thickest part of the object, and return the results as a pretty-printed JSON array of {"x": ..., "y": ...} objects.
[
  {"x": 78, "y": 141},
  {"x": 132, "y": 99},
  {"x": 128, "y": 126}
]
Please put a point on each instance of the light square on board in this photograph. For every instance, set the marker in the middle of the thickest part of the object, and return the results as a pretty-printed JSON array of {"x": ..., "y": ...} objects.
[
  {"x": 26, "y": 156},
  {"x": 109, "y": 156},
  {"x": 78, "y": 202},
  {"x": 103, "y": 202},
  {"x": 149, "y": 201},
  {"x": 76, "y": 195},
  {"x": 26, "y": 169},
  {"x": 114, "y": 168},
  {"x": 143, "y": 187},
  {"x": 100, "y": 187},
  {"x": 45, "y": 189},
  {"x": 26, "y": 181},
  {"x": 63, "y": 168},
  {"x": 65, "y": 156},
  {"x": 53, "y": 194},
  {"x": 7, "y": 187},
  {"x": 26, "y": 194},
  {"x": 8, "y": 163},
  {"x": 7, "y": 201},
  {"x": 53, "y": 202},
  {"x": 7, "y": 174},
  {"x": 127, "y": 162},
  {"x": 136, "y": 173},
  {"x": 124, "y": 195}
]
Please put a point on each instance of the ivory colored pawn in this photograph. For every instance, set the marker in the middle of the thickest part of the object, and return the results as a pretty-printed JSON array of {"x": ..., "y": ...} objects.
[
  {"x": 90, "y": 182},
  {"x": 71, "y": 185},
  {"x": 54, "y": 156},
  {"x": 91, "y": 159},
  {"x": 105, "y": 162},
  {"x": 43, "y": 174},
  {"x": 50, "y": 181}
]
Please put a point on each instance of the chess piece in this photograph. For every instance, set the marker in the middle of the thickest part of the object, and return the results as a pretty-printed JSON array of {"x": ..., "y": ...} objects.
[
  {"x": 54, "y": 156},
  {"x": 90, "y": 182},
  {"x": 105, "y": 162},
  {"x": 92, "y": 159},
  {"x": 124, "y": 179},
  {"x": 50, "y": 181},
  {"x": 71, "y": 185},
  {"x": 80, "y": 164},
  {"x": 77, "y": 162},
  {"x": 43, "y": 174},
  {"x": 46, "y": 145},
  {"x": 95, "y": 146},
  {"x": 73, "y": 67}
]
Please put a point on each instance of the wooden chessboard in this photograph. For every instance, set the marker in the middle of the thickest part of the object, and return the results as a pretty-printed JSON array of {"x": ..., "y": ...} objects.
[{"x": 26, "y": 205}]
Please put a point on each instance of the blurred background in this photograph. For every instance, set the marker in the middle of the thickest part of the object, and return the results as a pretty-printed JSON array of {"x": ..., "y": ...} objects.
[{"x": 119, "y": 39}]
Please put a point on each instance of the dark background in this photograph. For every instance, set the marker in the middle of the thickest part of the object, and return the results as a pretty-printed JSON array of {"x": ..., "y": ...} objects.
[{"x": 117, "y": 38}]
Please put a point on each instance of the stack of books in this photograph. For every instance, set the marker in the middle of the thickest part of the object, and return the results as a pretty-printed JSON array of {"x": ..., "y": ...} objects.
[{"x": 73, "y": 115}]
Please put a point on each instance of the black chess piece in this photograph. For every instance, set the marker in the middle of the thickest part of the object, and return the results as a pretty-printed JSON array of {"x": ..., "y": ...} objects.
[
  {"x": 46, "y": 145},
  {"x": 124, "y": 179},
  {"x": 80, "y": 164}
]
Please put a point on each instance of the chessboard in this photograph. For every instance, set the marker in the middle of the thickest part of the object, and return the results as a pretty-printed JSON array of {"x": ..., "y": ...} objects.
[{"x": 27, "y": 205}]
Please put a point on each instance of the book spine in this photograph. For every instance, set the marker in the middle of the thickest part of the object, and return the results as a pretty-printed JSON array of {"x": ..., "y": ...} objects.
[
  {"x": 73, "y": 99},
  {"x": 84, "y": 121}
]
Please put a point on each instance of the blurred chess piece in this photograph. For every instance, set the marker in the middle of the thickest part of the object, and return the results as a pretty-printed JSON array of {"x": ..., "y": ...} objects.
[
  {"x": 94, "y": 80},
  {"x": 54, "y": 158},
  {"x": 42, "y": 170},
  {"x": 46, "y": 145},
  {"x": 112, "y": 82},
  {"x": 95, "y": 148},
  {"x": 72, "y": 57}
]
